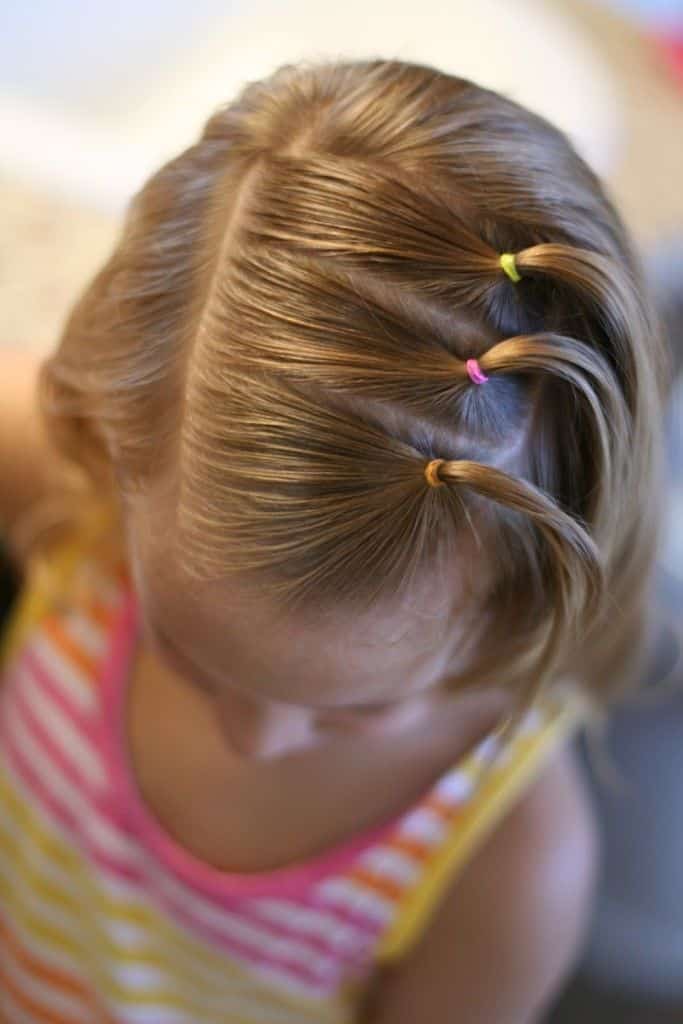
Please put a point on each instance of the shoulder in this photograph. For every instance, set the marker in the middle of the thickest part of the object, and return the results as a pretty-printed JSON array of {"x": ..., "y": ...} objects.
[{"x": 510, "y": 928}]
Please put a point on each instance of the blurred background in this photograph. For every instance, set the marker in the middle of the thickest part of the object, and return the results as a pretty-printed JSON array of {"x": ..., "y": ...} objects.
[{"x": 94, "y": 97}]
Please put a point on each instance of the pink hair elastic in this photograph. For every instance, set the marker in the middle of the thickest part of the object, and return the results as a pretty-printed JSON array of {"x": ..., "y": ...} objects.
[{"x": 475, "y": 372}]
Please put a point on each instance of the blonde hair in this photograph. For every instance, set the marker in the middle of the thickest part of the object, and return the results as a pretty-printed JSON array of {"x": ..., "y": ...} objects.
[{"x": 283, "y": 328}]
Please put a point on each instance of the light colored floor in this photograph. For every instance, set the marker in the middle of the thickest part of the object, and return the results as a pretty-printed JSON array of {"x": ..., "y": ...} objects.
[{"x": 49, "y": 248}]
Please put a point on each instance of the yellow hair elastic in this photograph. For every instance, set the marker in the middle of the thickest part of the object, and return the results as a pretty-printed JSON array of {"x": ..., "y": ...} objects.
[{"x": 507, "y": 262}]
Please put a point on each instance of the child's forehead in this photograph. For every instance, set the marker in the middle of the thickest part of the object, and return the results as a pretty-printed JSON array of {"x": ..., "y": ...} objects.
[
  {"x": 226, "y": 629},
  {"x": 232, "y": 631}
]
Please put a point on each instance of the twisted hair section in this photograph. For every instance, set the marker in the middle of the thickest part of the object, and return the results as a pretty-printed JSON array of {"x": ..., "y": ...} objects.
[
  {"x": 285, "y": 335},
  {"x": 569, "y": 564}
]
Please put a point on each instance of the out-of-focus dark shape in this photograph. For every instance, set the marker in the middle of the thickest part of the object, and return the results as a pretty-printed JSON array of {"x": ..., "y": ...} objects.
[
  {"x": 632, "y": 968},
  {"x": 8, "y": 583}
]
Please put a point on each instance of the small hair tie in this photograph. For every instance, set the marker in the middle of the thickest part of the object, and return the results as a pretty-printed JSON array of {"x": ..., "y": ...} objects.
[
  {"x": 507, "y": 262},
  {"x": 431, "y": 471},
  {"x": 475, "y": 373}
]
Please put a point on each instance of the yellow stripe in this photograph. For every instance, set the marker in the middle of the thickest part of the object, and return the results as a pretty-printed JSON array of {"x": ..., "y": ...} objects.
[
  {"x": 100, "y": 955},
  {"x": 172, "y": 952},
  {"x": 70, "y": 909},
  {"x": 34, "y": 601},
  {"x": 473, "y": 824},
  {"x": 37, "y": 595}
]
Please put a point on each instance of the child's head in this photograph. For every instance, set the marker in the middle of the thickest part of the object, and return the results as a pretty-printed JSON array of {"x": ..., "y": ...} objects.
[
  {"x": 276, "y": 350},
  {"x": 281, "y": 680}
]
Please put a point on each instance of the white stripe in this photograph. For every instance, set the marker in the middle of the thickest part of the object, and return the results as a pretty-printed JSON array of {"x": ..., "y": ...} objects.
[
  {"x": 133, "y": 937},
  {"x": 75, "y": 748},
  {"x": 391, "y": 864},
  {"x": 281, "y": 979},
  {"x": 70, "y": 925},
  {"x": 113, "y": 843},
  {"x": 93, "y": 826},
  {"x": 227, "y": 924},
  {"x": 86, "y": 632},
  {"x": 46, "y": 996},
  {"x": 12, "y": 1013},
  {"x": 485, "y": 750},
  {"x": 103, "y": 885},
  {"x": 138, "y": 978},
  {"x": 533, "y": 720},
  {"x": 317, "y": 924},
  {"x": 75, "y": 931},
  {"x": 161, "y": 1014},
  {"x": 241, "y": 996},
  {"x": 72, "y": 679},
  {"x": 506, "y": 754},
  {"x": 349, "y": 895},
  {"x": 455, "y": 787},
  {"x": 258, "y": 940},
  {"x": 423, "y": 823},
  {"x": 46, "y": 912},
  {"x": 217, "y": 992},
  {"x": 230, "y": 926},
  {"x": 127, "y": 1014},
  {"x": 51, "y": 956}
]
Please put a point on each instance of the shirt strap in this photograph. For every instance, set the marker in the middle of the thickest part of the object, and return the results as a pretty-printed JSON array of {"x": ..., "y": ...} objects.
[{"x": 561, "y": 715}]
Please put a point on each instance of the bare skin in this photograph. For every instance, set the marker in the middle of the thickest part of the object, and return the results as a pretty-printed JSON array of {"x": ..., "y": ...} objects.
[
  {"x": 227, "y": 809},
  {"x": 292, "y": 720},
  {"x": 524, "y": 900},
  {"x": 343, "y": 722}
]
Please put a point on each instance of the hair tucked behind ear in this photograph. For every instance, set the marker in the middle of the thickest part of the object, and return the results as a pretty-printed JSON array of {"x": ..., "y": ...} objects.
[{"x": 282, "y": 333}]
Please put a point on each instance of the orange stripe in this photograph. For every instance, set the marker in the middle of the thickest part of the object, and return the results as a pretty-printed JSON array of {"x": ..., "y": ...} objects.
[
  {"x": 69, "y": 647},
  {"x": 122, "y": 572},
  {"x": 384, "y": 886},
  {"x": 56, "y": 979},
  {"x": 439, "y": 807},
  {"x": 412, "y": 847},
  {"x": 41, "y": 1013},
  {"x": 100, "y": 613}
]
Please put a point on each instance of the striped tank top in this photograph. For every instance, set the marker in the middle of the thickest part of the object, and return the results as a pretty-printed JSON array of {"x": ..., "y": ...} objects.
[{"x": 105, "y": 919}]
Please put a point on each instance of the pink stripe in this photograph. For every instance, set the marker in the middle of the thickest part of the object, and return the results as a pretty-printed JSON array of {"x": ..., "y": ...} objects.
[
  {"x": 216, "y": 885},
  {"x": 49, "y": 685},
  {"x": 66, "y": 821},
  {"x": 367, "y": 927},
  {"x": 143, "y": 883},
  {"x": 222, "y": 889},
  {"x": 348, "y": 952},
  {"x": 111, "y": 810},
  {"x": 52, "y": 749}
]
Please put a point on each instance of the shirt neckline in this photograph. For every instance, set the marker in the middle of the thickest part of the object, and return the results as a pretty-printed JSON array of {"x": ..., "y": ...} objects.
[{"x": 289, "y": 879}]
